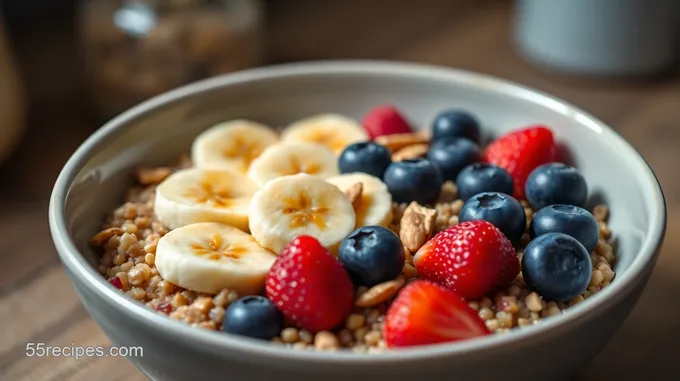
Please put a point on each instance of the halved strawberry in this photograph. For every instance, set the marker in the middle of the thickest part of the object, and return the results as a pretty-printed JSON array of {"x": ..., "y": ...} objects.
[
  {"x": 520, "y": 152},
  {"x": 310, "y": 286},
  {"x": 472, "y": 258},
  {"x": 427, "y": 313}
]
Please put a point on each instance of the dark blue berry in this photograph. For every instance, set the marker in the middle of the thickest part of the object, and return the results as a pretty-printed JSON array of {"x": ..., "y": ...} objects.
[
  {"x": 557, "y": 266},
  {"x": 372, "y": 255},
  {"x": 502, "y": 210},
  {"x": 568, "y": 219},
  {"x": 455, "y": 123},
  {"x": 366, "y": 157},
  {"x": 413, "y": 180},
  {"x": 482, "y": 177},
  {"x": 253, "y": 316},
  {"x": 555, "y": 183},
  {"x": 450, "y": 155}
]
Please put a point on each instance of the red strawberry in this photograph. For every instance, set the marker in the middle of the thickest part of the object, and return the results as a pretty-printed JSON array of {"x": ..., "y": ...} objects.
[
  {"x": 385, "y": 120},
  {"x": 310, "y": 286},
  {"x": 427, "y": 313},
  {"x": 472, "y": 258},
  {"x": 520, "y": 152}
]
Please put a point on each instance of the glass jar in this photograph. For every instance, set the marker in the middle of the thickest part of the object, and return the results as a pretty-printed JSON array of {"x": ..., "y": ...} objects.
[
  {"x": 135, "y": 49},
  {"x": 12, "y": 102}
]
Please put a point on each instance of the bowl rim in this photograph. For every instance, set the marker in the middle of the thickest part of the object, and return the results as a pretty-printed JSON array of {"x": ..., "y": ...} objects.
[{"x": 80, "y": 269}]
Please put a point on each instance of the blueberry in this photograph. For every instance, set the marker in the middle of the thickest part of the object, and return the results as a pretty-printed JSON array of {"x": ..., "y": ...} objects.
[
  {"x": 481, "y": 177},
  {"x": 253, "y": 316},
  {"x": 568, "y": 219},
  {"x": 456, "y": 123},
  {"x": 413, "y": 180},
  {"x": 372, "y": 255},
  {"x": 451, "y": 155},
  {"x": 367, "y": 157},
  {"x": 555, "y": 183},
  {"x": 557, "y": 266},
  {"x": 502, "y": 210}
]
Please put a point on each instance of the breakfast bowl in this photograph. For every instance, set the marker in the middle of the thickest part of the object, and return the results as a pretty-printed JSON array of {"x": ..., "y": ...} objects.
[{"x": 159, "y": 130}]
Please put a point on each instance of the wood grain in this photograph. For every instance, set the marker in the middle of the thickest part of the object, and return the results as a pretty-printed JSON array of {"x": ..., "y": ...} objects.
[{"x": 37, "y": 304}]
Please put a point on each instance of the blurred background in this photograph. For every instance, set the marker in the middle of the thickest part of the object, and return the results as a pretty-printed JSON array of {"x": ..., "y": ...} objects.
[{"x": 67, "y": 66}]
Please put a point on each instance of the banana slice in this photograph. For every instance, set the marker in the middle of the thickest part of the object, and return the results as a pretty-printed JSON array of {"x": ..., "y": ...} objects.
[
  {"x": 296, "y": 205},
  {"x": 204, "y": 195},
  {"x": 374, "y": 207},
  {"x": 208, "y": 256},
  {"x": 331, "y": 130},
  {"x": 286, "y": 159},
  {"x": 232, "y": 145}
]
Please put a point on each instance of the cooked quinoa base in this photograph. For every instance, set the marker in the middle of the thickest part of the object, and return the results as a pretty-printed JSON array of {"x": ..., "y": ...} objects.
[{"x": 129, "y": 255}]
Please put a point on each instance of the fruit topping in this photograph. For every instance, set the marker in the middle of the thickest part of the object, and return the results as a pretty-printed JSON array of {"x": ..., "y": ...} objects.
[
  {"x": 253, "y": 316},
  {"x": 483, "y": 177},
  {"x": 568, "y": 219},
  {"x": 334, "y": 131},
  {"x": 451, "y": 154},
  {"x": 372, "y": 255},
  {"x": 519, "y": 152},
  {"x": 290, "y": 206},
  {"x": 385, "y": 120},
  {"x": 310, "y": 286},
  {"x": 366, "y": 157},
  {"x": 500, "y": 209},
  {"x": 556, "y": 183},
  {"x": 413, "y": 180},
  {"x": 455, "y": 123},
  {"x": 426, "y": 313},
  {"x": 557, "y": 266},
  {"x": 472, "y": 258}
]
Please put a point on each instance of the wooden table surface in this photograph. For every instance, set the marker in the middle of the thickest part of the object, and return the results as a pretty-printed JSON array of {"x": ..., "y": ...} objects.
[{"x": 38, "y": 305}]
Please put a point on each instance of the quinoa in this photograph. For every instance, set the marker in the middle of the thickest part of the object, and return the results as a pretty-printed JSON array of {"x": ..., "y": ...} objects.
[{"x": 130, "y": 234}]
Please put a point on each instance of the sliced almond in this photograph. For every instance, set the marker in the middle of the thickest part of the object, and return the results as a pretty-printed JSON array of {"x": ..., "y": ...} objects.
[
  {"x": 152, "y": 176},
  {"x": 395, "y": 142},
  {"x": 417, "y": 225},
  {"x": 411, "y": 152},
  {"x": 105, "y": 235},
  {"x": 354, "y": 193},
  {"x": 380, "y": 293}
]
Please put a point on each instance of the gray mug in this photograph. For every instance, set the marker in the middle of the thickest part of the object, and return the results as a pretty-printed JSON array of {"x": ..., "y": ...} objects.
[{"x": 599, "y": 37}]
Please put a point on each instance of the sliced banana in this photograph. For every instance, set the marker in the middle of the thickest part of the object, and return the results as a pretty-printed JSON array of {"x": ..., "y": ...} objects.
[
  {"x": 296, "y": 205},
  {"x": 331, "y": 130},
  {"x": 374, "y": 207},
  {"x": 204, "y": 195},
  {"x": 208, "y": 257},
  {"x": 285, "y": 159},
  {"x": 232, "y": 145}
]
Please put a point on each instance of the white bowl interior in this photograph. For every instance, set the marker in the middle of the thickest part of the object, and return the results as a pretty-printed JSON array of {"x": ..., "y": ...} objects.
[{"x": 157, "y": 131}]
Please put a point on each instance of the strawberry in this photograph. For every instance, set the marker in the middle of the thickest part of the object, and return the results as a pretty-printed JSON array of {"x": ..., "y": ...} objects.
[
  {"x": 472, "y": 258},
  {"x": 385, "y": 120},
  {"x": 520, "y": 152},
  {"x": 427, "y": 313},
  {"x": 310, "y": 286}
]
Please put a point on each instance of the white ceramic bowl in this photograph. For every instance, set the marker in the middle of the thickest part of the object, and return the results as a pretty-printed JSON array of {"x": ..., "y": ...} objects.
[{"x": 93, "y": 180}]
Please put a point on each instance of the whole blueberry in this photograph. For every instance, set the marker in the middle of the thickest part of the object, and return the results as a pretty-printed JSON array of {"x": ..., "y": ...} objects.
[
  {"x": 367, "y": 157},
  {"x": 413, "y": 180},
  {"x": 253, "y": 316},
  {"x": 372, "y": 255},
  {"x": 557, "y": 266},
  {"x": 568, "y": 219},
  {"x": 455, "y": 123},
  {"x": 502, "y": 210},
  {"x": 555, "y": 183},
  {"x": 482, "y": 177},
  {"x": 451, "y": 155}
]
